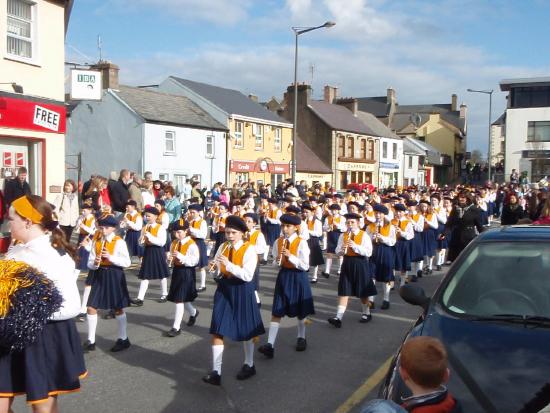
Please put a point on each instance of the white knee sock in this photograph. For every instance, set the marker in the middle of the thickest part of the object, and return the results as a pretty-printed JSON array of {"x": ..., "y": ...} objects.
[
  {"x": 164, "y": 286},
  {"x": 203, "y": 277},
  {"x": 248, "y": 347},
  {"x": 178, "y": 316},
  {"x": 266, "y": 254},
  {"x": 430, "y": 262},
  {"x": 340, "y": 310},
  {"x": 328, "y": 264},
  {"x": 85, "y": 296},
  {"x": 371, "y": 298},
  {"x": 386, "y": 287},
  {"x": 143, "y": 285},
  {"x": 365, "y": 308},
  {"x": 122, "y": 323},
  {"x": 403, "y": 279},
  {"x": 273, "y": 330},
  {"x": 190, "y": 309},
  {"x": 418, "y": 266},
  {"x": 315, "y": 270},
  {"x": 340, "y": 261},
  {"x": 425, "y": 261},
  {"x": 302, "y": 328},
  {"x": 92, "y": 326},
  {"x": 217, "y": 356}
]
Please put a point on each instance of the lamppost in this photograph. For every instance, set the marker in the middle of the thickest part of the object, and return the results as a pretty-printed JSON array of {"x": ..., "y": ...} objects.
[
  {"x": 298, "y": 31},
  {"x": 490, "y": 93},
  {"x": 16, "y": 88}
]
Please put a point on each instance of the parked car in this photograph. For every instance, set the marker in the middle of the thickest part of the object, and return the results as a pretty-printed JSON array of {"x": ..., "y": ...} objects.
[{"x": 492, "y": 312}]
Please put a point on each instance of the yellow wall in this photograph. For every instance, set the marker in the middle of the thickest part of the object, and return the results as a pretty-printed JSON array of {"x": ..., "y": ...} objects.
[{"x": 438, "y": 135}]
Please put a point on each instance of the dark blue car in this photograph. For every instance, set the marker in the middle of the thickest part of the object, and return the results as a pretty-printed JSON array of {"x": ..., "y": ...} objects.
[{"x": 492, "y": 312}]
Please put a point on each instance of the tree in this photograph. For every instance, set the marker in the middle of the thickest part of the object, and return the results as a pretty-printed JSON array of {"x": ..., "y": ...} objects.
[{"x": 476, "y": 157}]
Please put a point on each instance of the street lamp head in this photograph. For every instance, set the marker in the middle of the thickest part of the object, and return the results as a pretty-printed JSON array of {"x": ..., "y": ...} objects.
[
  {"x": 329, "y": 24},
  {"x": 17, "y": 88}
]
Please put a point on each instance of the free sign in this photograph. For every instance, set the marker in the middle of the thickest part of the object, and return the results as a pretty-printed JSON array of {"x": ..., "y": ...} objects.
[{"x": 46, "y": 118}]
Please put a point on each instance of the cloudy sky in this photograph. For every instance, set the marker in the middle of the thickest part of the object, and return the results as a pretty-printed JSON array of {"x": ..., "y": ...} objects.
[{"x": 426, "y": 50}]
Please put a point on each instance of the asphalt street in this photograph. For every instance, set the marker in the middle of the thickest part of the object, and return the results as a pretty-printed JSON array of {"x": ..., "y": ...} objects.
[{"x": 160, "y": 374}]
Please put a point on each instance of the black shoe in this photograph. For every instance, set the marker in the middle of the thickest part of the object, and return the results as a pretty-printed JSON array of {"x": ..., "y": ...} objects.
[
  {"x": 172, "y": 333},
  {"x": 372, "y": 306},
  {"x": 385, "y": 305},
  {"x": 81, "y": 317},
  {"x": 438, "y": 267},
  {"x": 163, "y": 299},
  {"x": 419, "y": 273},
  {"x": 137, "y": 302},
  {"x": 429, "y": 272},
  {"x": 121, "y": 345},
  {"x": 201, "y": 289},
  {"x": 213, "y": 378},
  {"x": 109, "y": 315},
  {"x": 414, "y": 279},
  {"x": 267, "y": 350},
  {"x": 447, "y": 263},
  {"x": 246, "y": 372},
  {"x": 313, "y": 281},
  {"x": 325, "y": 274},
  {"x": 88, "y": 346},
  {"x": 365, "y": 318},
  {"x": 263, "y": 262},
  {"x": 301, "y": 344},
  {"x": 193, "y": 319},
  {"x": 335, "y": 321}
]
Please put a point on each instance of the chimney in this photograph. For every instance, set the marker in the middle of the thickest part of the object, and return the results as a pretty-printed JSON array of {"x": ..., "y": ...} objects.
[
  {"x": 304, "y": 95},
  {"x": 453, "y": 102},
  {"x": 331, "y": 93},
  {"x": 350, "y": 103},
  {"x": 253, "y": 98},
  {"x": 390, "y": 96},
  {"x": 463, "y": 111},
  {"x": 109, "y": 73}
]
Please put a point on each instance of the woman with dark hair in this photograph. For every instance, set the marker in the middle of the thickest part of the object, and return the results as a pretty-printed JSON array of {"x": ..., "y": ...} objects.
[
  {"x": 463, "y": 225},
  {"x": 54, "y": 363},
  {"x": 158, "y": 191},
  {"x": 512, "y": 211},
  {"x": 66, "y": 206}
]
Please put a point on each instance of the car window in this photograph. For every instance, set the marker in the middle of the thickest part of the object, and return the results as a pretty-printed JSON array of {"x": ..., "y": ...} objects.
[{"x": 501, "y": 278}]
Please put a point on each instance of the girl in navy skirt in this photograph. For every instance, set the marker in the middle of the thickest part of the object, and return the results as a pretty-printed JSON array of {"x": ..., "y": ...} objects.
[
  {"x": 86, "y": 230},
  {"x": 184, "y": 256},
  {"x": 417, "y": 245},
  {"x": 236, "y": 314},
  {"x": 335, "y": 224},
  {"x": 263, "y": 211},
  {"x": 87, "y": 244},
  {"x": 292, "y": 296},
  {"x": 108, "y": 257},
  {"x": 383, "y": 238},
  {"x": 199, "y": 230},
  {"x": 315, "y": 230},
  {"x": 405, "y": 234},
  {"x": 429, "y": 235},
  {"x": 218, "y": 225},
  {"x": 273, "y": 225},
  {"x": 257, "y": 240},
  {"x": 356, "y": 278},
  {"x": 153, "y": 265},
  {"x": 133, "y": 222},
  {"x": 443, "y": 241},
  {"x": 441, "y": 215},
  {"x": 164, "y": 220},
  {"x": 54, "y": 363}
]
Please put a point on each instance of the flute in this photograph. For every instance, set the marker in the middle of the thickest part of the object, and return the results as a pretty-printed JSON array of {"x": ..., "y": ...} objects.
[
  {"x": 143, "y": 231},
  {"x": 212, "y": 267},
  {"x": 378, "y": 224},
  {"x": 285, "y": 245},
  {"x": 346, "y": 247},
  {"x": 97, "y": 261},
  {"x": 172, "y": 251}
]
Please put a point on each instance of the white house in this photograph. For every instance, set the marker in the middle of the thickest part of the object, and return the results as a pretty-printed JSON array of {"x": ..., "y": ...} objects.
[
  {"x": 145, "y": 130},
  {"x": 412, "y": 174}
]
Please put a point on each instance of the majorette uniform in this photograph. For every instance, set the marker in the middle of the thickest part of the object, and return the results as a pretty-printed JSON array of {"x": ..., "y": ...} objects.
[
  {"x": 86, "y": 228},
  {"x": 273, "y": 225},
  {"x": 218, "y": 228},
  {"x": 257, "y": 240},
  {"x": 198, "y": 230},
  {"x": 153, "y": 266},
  {"x": 182, "y": 285},
  {"x": 383, "y": 255},
  {"x": 403, "y": 244},
  {"x": 134, "y": 224}
]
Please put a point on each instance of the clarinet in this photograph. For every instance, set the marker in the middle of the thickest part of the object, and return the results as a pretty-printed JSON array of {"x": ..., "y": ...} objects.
[
  {"x": 97, "y": 261},
  {"x": 346, "y": 248},
  {"x": 285, "y": 246}
]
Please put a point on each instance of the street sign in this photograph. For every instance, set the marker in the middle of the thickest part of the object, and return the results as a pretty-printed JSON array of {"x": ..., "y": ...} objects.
[{"x": 85, "y": 84}]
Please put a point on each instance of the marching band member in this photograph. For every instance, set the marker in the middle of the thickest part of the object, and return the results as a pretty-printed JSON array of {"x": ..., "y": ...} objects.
[
  {"x": 198, "y": 230},
  {"x": 315, "y": 229},
  {"x": 164, "y": 220},
  {"x": 218, "y": 225},
  {"x": 153, "y": 265},
  {"x": 257, "y": 240},
  {"x": 108, "y": 257},
  {"x": 369, "y": 214},
  {"x": 441, "y": 215},
  {"x": 335, "y": 224},
  {"x": 443, "y": 241},
  {"x": 292, "y": 296},
  {"x": 383, "y": 238},
  {"x": 86, "y": 229},
  {"x": 355, "y": 208},
  {"x": 236, "y": 314},
  {"x": 273, "y": 225},
  {"x": 355, "y": 279},
  {"x": 296, "y": 210},
  {"x": 417, "y": 245},
  {"x": 405, "y": 233},
  {"x": 133, "y": 222},
  {"x": 429, "y": 235},
  {"x": 184, "y": 256}
]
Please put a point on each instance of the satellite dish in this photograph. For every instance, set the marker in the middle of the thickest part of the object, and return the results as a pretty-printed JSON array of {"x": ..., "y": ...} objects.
[{"x": 415, "y": 119}]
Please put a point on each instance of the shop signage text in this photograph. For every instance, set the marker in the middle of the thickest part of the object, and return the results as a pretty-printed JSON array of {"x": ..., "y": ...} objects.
[
  {"x": 354, "y": 166},
  {"x": 261, "y": 167},
  {"x": 536, "y": 154},
  {"x": 30, "y": 115},
  {"x": 46, "y": 118},
  {"x": 388, "y": 165}
]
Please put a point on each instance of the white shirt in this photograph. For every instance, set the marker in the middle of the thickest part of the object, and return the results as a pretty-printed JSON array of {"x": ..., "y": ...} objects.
[
  {"x": 80, "y": 224},
  {"x": 304, "y": 231},
  {"x": 191, "y": 257},
  {"x": 301, "y": 261},
  {"x": 40, "y": 254},
  {"x": 432, "y": 222},
  {"x": 409, "y": 230},
  {"x": 274, "y": 220},
  {"x": 165, "y": 220},
  {"x": 148, "y": 198},
  {"x": 200, "y": 232},
  {"x": 136, "y": 226},
  {"x": 389, "y": 240},
  {"x": 250, "y": 260},
  {"x": 317, "y": 227},
  {"x": 441, "y": 215},
  {"x": 261, "y": 245},
  {"x": 364, "y": 249},
  {"x": 160, "y": 239},
  {"x": 120, "y": 256},
  {"x": 339, "y": 227},
  {"x": 417, "y": 226}
]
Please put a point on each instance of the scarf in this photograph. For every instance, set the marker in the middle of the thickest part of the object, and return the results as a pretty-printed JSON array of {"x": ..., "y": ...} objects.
[{"x": 462, "y": 211}]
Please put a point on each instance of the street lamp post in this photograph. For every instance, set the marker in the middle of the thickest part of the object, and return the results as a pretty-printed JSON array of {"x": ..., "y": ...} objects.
[
  {"x": 16, "y": 88},
  {"x": 490, "y": 93},
  {"x": 298, "y": 31}
]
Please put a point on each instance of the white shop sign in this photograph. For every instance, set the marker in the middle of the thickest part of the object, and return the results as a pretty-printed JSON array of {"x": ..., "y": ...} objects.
[{"x": 85, "y": 84}]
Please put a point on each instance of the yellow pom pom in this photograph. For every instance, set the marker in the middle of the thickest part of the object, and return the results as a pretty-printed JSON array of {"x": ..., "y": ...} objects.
[{"x": 11, "y": 280}]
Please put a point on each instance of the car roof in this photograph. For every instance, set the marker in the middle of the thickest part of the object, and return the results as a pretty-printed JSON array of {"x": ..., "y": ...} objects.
[{"x": 516, "y": 233}]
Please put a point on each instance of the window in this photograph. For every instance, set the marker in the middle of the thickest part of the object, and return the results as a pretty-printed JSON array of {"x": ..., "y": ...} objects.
[
  {"x": 538, "y": 131},
  {"x": 371, "y": 150},
  {"x": 278, "y": 141},
  {"x": 210, "y": 146},
  {"x": 410, "y": 162},
  {"x": 163, "y": 177},
  {"x": 384, "y": 149},
  {"x": 341, "y": 147},
  {"x": 241, "y": 177},
  {"x": 349, "y": 148},
  {"x": 276, "y": 179},
  {"x": 394, "y": 149},
  {"x": 169, "y": 142},
  {"x": 363, "y": 154},
  {"x": 20, "y": 29},
  {"x": 502, "y": 147},
  {"x": 239, "y": 143},
  {"x": 257, "y": 130},
  {"x": 530, "y": 97}
]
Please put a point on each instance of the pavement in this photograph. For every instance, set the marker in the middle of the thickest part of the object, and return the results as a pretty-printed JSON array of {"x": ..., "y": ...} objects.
[{"x": 340, "y": 369}]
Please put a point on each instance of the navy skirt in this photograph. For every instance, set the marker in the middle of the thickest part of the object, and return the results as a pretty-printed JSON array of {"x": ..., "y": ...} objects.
[
  {"x": 383, "y": 258},
  {"x": 83, "y": 255},
  {"x": 109, "y": 289},
  {"x": 154, "y": 266},
  {"x": 429, "y": 238},
  {"x": 168, "y": 241},
  {"x": 132, "y": 242},
  {"x": 484, "y": 218},
  {"x": 292, "y": 296},
  {"x": 52, "y": 365},
  {"x": 256, "y": 279},
  {"x": 315, "y": 252},
  {"x": 273, "y": 233},
  {"x": 443, "y": 244},
  {"x": 417, "y": 247},
  {"x": 332, "y": 241},
  {"x": 236, "y": 313},
  {"x": 90, "y": 277},
  {"x": 201, "y": 245},
  {"x": 219, "y": 237},
  {"x": 182, "y": 285},
  {"x": 356, "y": 278},
  {"x": 403, "y": 255}
]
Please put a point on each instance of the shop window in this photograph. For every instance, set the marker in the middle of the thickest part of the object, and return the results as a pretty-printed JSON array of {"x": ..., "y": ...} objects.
[{"x": 241, "y": 177}]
